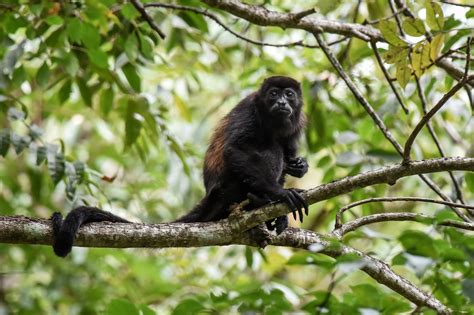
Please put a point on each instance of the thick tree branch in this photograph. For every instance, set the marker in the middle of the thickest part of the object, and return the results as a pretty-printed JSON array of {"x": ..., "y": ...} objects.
[{"x": 121, "y": 235}]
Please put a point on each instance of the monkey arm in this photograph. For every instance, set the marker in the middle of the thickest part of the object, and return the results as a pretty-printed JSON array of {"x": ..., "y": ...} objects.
[
  {"x": 296, "y": 167},
  {"x": 258, "y": 172}
]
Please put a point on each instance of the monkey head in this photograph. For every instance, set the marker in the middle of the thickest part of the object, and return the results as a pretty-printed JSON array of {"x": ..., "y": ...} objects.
[{"x": 281, "y": 98}]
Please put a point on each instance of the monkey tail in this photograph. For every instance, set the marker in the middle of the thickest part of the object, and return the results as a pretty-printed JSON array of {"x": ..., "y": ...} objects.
[
  {"x": 195, "y": 215},
  {"x": 64, "y": 232}
]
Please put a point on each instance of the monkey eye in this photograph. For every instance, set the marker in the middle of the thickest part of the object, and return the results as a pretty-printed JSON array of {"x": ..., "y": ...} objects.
[
  {"x": 273, "y": 93},
  {"x": 289, "y": 93}
]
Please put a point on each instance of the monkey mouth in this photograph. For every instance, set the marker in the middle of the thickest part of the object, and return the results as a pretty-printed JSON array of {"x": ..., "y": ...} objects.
[{"x": 282, "y": 111}]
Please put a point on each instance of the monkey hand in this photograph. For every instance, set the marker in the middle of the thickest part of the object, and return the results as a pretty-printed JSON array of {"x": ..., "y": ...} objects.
[
  {"x": 296, "y": 167},
  {"x": 294, "y": 200}
]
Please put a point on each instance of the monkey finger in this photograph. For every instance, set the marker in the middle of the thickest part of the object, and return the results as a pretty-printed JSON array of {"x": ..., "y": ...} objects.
[
  {"x": 289, "y": 201},
  {"x": 301, "y": 200},
  {"x": 297, "y": 205}
]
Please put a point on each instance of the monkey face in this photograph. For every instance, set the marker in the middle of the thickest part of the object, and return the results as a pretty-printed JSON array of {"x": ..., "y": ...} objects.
[{"x": 281, "y": 102}]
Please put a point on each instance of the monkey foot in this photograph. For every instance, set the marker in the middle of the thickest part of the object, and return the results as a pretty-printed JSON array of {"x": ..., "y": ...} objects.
[{"x": 260, "y": 235}]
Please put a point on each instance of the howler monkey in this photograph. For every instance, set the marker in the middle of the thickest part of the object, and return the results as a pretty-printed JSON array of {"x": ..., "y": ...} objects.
[{"x": 251, "y": 151}]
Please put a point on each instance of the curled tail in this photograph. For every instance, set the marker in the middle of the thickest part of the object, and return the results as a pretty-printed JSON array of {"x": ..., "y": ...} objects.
[{"x": 64, "y": 232}]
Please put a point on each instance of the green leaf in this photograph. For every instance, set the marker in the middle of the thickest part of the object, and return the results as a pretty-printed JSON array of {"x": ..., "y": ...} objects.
[
  {"x": 390, "y": 33},
  {"x": 4, "y": 141},
  {"x": 396, "y": 54},
  {"x": 195, "y": 20},
  {"x": 90, "y": 36},
  {"x": 106, "y": 100},
  {"x": 188, "y": 307},
  {"x": 146, "y": 46},
  {"x": 12, "y": 23},
  {"x": 311, "y": 259},
  {"x": 85, "y": 91},
  {"x": 131, "y": 47},
  {"x": 42, "y": 76},
  {"x": 132, "y": 77},
  {"x": 41, "y": 154},
  {"x": 54, "y": 20},
  {"x": 64, "y": 92},
  {"x": 98, "y": 58},
  {"x": 420, "y": 57},
  {"x": 133, "y": 122},
  {"x": 56, "y": 167},
  {"x": 121, "y": 307},
  {"x": 249, "y": 256},
  {"x": 73, "y": 30},
  {"x": 403, "y": 74},
  {"x": 71, "y": 64},
  {"x": 414, "y": 27},
  {"x": 470, "y": 14},
  {"x": 434, "y": 16},
  {"x": 418, "y": 243},
  {"x": 436, "y": 45},
  {"x": 469, "y": 178},
  {"x": 129, "y": 12}
]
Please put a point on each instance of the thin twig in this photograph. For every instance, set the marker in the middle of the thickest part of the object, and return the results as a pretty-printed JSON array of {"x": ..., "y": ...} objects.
[
  {"x": 424, "y": 106},
  {"x": 387, "y": 77},
  {"x": 397, "y": 216},
  {"x": 397, "y": 17},
  {"x": 457, "y": 4},
  {"x": 399, "y": 11},
  {"x": 341, "y": 211},
  {"x": 140, "y": 8},
  {"x": 425, "y": 119},
  {"x": 240, "y": 36}
]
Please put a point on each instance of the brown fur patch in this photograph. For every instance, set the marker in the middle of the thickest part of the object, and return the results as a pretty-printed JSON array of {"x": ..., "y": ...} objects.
[{"x": 214, "y": 160}]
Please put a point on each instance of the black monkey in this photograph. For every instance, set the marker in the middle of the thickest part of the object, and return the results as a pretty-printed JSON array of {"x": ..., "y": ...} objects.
[{"x": 251, "y": 151}]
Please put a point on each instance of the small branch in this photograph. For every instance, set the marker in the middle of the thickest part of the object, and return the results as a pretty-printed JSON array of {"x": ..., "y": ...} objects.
[
  {"x": 387, "y": 77},
  {"x": 424, "y": 120},
  {"x": 140, "y": 8},
  {"x": 214, "y": 17},
  {"x": 399, "y": 11},
  {"x": 358, "y": 95},
  {"x": 397, "y": 17},
  {"x": 424, "y": 106},
  {"x": 25, "y": 230},
  {"x": 397, "y": 216},
  {"x": 298, "y": 16},
  {"x": 341, "y": 211},
  {"x": 457, "y": 4}
]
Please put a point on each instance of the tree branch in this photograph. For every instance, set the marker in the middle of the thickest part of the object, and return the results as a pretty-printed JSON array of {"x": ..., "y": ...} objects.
[
  {"x": 139, "y": 6},
  {"x": 20, "y": 229},
  {"x": 228, "y": 29},
  {"x": 397, "y": 216},
  {"x": 341, "y": 211},
  {"x": 262, "y": 16},
  {"x": 425, "y": 119}
]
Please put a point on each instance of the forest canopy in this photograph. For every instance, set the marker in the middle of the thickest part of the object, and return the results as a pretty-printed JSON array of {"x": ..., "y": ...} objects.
[{"x": 112, "y": 104}]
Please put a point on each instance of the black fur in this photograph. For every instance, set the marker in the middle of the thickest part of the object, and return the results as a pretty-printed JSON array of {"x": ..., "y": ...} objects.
[{"x": 250, "y": 153}]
